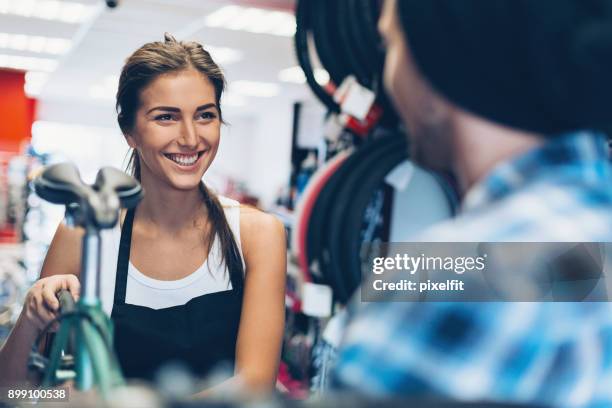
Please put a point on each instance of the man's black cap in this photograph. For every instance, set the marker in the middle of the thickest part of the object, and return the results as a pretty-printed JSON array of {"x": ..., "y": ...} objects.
[{"x": 538, "y": 65}]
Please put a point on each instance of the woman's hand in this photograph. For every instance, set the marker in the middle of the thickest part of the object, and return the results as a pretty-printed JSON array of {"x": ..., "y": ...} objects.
[{"x": 42, "y": 305}]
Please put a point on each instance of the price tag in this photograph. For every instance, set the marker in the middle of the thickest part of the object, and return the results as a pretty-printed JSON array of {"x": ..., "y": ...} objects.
[
  {"x": 354, "y": 99},
  {"x": 334, "y": 331},
  {"x": 316, "y": 300}
]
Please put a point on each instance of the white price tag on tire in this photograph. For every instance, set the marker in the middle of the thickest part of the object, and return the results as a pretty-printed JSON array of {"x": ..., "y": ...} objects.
[{"x": 316, "y": 300}]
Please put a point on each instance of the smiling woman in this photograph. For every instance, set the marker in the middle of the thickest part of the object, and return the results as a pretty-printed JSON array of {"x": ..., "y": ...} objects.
[
  {"x": 179, "y": 117},
  {"x": 189, "y": 277},
  {"x": 169, "y": 111}
]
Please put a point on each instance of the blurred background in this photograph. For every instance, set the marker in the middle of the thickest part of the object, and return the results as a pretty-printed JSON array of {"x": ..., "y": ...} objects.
[{"x": 59, "y": 68}]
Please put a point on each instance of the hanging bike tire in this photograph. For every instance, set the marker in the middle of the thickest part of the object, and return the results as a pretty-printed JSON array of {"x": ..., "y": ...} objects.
[
  {"x": 319, "y": 219},
  {"x": 303, "y": 17},
  {"x": 379, "y": 160},
  {"x": 422, "y": 202},
  {"x": 350, "y": 45},
  {"x": 304, "y": 212},
  {"x": 326, "y": 40}
]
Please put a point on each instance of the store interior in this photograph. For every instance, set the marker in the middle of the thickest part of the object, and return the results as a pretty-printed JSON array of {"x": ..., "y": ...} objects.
[
  {"x": 59, "y": 70},
  {"x": 310, "y": 136}
]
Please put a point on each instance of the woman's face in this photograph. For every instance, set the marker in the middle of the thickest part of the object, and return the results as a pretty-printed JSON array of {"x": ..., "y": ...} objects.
[{"x": 177, "y": 129}]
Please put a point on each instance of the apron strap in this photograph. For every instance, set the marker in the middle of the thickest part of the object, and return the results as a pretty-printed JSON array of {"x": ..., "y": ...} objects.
[
  {"x": 124, "y": 258},
  {"x": 236, "y": 276}
]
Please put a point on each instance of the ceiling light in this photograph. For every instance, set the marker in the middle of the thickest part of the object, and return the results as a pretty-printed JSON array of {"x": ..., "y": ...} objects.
[
  {"x": 27, "y": 63},
  {"x": 223, "y": 55},
  {"x": 34, "y": 43},
  {"x": 253, "y": 20},
  {"x": 233, "y": 99},
  {"x": 296, "y": 75},
  {"x": 34, "y": 82},
  {"x": 252, "y": 88},
  {"x": 64, "y": 11}
]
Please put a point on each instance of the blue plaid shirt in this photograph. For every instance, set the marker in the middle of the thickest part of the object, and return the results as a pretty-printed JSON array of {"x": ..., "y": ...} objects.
[{"x": 557, "y": 354}]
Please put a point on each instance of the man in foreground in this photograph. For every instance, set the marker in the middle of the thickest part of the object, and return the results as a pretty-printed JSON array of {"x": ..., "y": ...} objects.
[{"x": 503, "y": 94}]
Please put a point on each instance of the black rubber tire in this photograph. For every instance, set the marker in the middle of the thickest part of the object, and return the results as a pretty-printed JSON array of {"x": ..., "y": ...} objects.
[
  {"x": 369, "y": 13},
  {"x": 370, "y": 54},
  {"x": 326, "y": 40},
  {"x": 319, "y": 220},
  {"x": 379, "y": 162},
  {"x": 351, "y": 234},
  {"x": 358, "y": 66},
  {"x": 303, "y": 19}
]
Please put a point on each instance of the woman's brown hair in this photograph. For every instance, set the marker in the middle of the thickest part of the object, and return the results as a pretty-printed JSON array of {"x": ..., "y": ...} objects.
[{"x": 140, "y": 69}]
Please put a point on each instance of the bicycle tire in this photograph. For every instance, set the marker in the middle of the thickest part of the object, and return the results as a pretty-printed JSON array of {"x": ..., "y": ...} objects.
[
  {"x": 322, "y": 218},
  {"x": 304, "y": 209},
  {"x": 334, "y": 252},
  {"x": 302, "y": 51},
  {"x": 326, "y": 43},
  {"x": 368, "y": 13},
  {"x": 319, "y": 220},
  {"x": 371, "y": 57},
  {"x": 357, "y": 66}
]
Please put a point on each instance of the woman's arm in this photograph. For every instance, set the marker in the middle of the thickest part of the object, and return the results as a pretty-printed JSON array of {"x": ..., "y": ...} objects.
[
  {"x": 262, "y": 321},
  {"x": 58, "y": 272}
]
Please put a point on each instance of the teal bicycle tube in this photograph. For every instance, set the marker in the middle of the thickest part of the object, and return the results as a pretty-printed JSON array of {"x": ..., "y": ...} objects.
[
  {"x": 93, "y": 207},
  {"x": 59, "y": 344}
]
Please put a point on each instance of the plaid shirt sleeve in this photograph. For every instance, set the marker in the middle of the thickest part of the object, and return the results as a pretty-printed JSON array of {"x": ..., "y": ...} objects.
[{"x": 481, "y": 351}]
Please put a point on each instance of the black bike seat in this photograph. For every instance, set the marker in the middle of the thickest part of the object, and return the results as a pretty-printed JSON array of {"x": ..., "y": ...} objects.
[
  {"x": 126, "y": 187},
  {"x": 97, "y": 204},
  {"x": 61, "y": 184}
]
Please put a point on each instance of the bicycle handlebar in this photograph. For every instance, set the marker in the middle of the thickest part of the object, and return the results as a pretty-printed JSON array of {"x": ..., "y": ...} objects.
[{"x": 66, "y": 301}]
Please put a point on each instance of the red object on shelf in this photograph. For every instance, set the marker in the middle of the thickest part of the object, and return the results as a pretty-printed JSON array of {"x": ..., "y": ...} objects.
[
  {"x": 16, "y": 130},
  {"x": 17, "y": 109},
  {"x": 8, "y": 235},
  {"x": 291, "y": 387}
]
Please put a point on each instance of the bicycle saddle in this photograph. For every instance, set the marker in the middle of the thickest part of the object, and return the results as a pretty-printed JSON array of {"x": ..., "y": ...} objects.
[{"x": 97, "y": 204}]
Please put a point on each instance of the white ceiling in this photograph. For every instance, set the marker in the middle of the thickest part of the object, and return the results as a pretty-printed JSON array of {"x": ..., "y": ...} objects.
[{"x": 101, "y": 44}]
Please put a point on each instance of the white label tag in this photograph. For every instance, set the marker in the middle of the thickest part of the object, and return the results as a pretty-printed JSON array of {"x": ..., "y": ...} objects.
[
  {"x": 316, "y": 300},
  {"x": 341, "y": 91},
  {"x": 354, "y": 99},
  {"x": 334, "y": 331},
  {"x": 358, "y": 101}
]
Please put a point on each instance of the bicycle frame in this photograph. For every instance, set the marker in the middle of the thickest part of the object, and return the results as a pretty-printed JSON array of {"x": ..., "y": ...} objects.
[
  {"x": 94, "y": 208},
  {"x": 95, "y": 364}
]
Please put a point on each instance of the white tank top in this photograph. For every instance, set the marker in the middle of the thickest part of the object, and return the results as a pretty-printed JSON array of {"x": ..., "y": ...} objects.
[{"x": 142, "y": 290}]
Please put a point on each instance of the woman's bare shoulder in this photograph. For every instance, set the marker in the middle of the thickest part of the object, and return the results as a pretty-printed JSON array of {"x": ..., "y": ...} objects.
[
  {"x": 257, "y": 225},
  {"x": 253, "y": 218}
]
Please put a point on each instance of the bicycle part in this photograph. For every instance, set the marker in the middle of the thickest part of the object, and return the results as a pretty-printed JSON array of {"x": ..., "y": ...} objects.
[
  {"x": 94, "y": 208},
  {"x": 387, "y": 152},
  {"x": 96, "y": 205},
  {"x": 66, "y": 301},
  {"x": 326, "y": 40},
  {"x": 350, "y": 43},
  {"x": 95, "y": 361},
  {"x": 303, "y": 18}
]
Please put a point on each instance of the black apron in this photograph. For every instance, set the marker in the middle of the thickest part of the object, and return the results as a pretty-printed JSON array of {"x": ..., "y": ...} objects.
[{"x": 200, "y": 334}]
